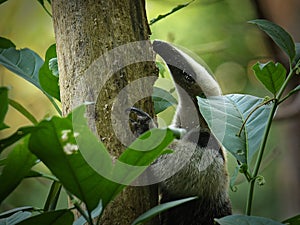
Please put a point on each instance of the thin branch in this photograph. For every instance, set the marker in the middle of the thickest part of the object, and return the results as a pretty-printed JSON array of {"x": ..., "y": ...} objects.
[
  {"x": 290, "y": 110},
  {"x": 159, "y": 17}
]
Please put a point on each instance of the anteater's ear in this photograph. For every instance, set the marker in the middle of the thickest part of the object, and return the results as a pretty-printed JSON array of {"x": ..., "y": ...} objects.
[{"x": 180, "y": 63}]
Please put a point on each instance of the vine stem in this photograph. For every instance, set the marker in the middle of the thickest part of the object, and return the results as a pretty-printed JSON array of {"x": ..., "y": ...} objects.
[
  {"x": 264, "y": 142},
  {"x": 252, "y": 111}
]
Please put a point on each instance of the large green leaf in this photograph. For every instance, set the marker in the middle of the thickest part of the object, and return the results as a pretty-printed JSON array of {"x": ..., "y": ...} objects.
[
  {"x": 3, "y": 107},
  {"x": 162, "y": 99},
  {"x": 19, "y": 162},
  {"x": 54, "y": 143},
  {"x": 23, "y": 62},
  {"x": 21, "y": 132},
  {"x": 36, "y": 174},
  {"x": 279, "y": 36},
  {"x": 6, "y": 43},
  {"x": 225, "y": 116},
  {"x": 161, "y": 67},
  {"x": 246, "y": 220},
  {"x": 271, "y": 75},
  {"x": 48, "y": 79},
  {"x": 132, "y": 162},
  {"x": 158, "y": 209},
  {"x": 60, "y": 153},
  {"x": 59, "y": 217}
]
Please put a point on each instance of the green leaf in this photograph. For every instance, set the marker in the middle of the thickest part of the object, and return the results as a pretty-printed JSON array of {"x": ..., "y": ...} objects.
[
  {"x": 33, "y": 173},
  {"x": 2, "y": 162},
  {"x": 23, "y": 62},
  {"x": 161, "y": 68},
  {"x": 48, "y": 79},
  {"x": 233, "y": 177},
  {"x": 297, "y": 57},
  {"x": 225, "y": 116},
  {"x": 4, "y": 106},
  {"x": 144, "y": 150},
  {"x": 158, "y": 209},
  {"x": 162, "y": 99},
  {"x": 53, "y": 196},
  {"x": 271, "y": 75},
  {"x": 6, "y": 43},
  {"x": 95, "y": 213},
  {"x": 53, "y": 66},
  {"x": 295, "y": 220},
  {"x": 67, "y": 163},
  {"x": 21, "y": 132},
  {"x": 177, "y": 132},
  {"x": 19, "y": 162},
  {"x": 132, "y": 162},
  {"x": 15, "y": 218},
  {"x": 246, "y": 220},
  {"x": 278, "y": 35},
  {"x": 159, "y": 17},
  {"x": 26, "y": 64},
  {"x": 59, "y": 217},
  {"x": 15, "y": 210},
  {"x": 60, "y": 153}
]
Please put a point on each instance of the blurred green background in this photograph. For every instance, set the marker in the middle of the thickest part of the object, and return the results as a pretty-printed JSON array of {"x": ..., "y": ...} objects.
[{"x": 215, "y": 30}]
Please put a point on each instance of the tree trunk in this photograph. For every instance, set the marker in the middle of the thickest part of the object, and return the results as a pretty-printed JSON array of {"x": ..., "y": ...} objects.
[{"x": 86, "y": 30}]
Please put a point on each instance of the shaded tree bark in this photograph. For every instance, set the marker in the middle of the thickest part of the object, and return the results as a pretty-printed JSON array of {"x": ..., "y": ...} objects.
[{"x": 85, "y": 30}]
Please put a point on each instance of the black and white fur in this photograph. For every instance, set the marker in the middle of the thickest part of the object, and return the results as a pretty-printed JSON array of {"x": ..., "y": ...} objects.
[
  {"x": 197, "y": 166},
  {"x": 205, "y": 173}
]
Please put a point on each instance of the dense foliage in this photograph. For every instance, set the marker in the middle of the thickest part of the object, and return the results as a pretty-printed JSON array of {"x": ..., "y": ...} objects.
[{"x": 53, "y": 141}]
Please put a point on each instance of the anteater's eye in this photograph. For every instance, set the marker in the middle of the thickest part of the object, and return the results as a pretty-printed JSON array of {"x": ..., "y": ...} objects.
[{"x": 188, "y": 78}]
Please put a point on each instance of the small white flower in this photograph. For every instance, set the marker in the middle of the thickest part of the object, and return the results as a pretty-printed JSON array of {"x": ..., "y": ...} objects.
[
  {"x": 70, "y": 149},
  {"x": 64, "y": 135}
]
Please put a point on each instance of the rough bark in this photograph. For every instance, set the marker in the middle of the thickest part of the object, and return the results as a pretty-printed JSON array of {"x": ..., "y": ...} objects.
[{"x": 85, "y": 30}]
